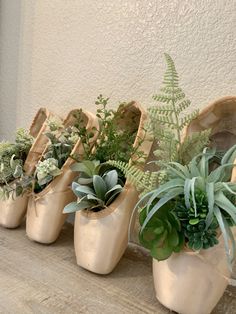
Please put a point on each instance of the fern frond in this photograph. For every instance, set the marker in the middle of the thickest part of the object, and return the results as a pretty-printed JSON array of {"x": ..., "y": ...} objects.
[
  {"x": 165, "y": 110},
  {"x": 163, "y": 98},
  {"x": 187, "y": 119},
  {"x": 168, "y": 119},
  {"x": 171, "y": 78},
  {"x": 168, "y": 90},
  {"x": 193, "y": 145},
  {"x": 144, "y": 181},
  {"x": 183, "y": 105},
  {"x": 165, "y": 120},
  {"x": 162, "y": 133}
]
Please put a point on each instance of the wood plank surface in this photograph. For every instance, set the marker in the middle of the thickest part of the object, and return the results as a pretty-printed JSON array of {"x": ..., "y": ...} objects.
[{"x": 45, "y": 279}]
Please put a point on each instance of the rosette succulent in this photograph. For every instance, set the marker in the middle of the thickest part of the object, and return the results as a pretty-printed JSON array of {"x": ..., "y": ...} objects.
[{"x": 163, "y": 234}]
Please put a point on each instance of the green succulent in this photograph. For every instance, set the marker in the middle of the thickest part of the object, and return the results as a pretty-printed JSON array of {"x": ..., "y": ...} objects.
[
  {"x": 95, "y": 188},
  {"x": 189, "y": 180},
  {"x": 196, "y": 234},
  {"x": 162, "y": 234},
  {"x": 87, "y": 169},
  {"x": 201, "y": 238}
]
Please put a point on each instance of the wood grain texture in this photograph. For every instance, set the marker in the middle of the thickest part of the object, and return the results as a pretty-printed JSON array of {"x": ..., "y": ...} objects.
[{"x": 44, "y": 279}]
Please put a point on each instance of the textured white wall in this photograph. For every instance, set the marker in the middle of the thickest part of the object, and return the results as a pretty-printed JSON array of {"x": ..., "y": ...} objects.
[
  {"x": 72, "y": 50},
  {"x": 10, "y": 14}
]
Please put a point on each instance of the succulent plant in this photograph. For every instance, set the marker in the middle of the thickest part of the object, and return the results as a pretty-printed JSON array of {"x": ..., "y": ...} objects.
[
  {"x": 196, "y": 234},
  {"x": 162, "y": 234},
  {"x": 95, "y": 188}
]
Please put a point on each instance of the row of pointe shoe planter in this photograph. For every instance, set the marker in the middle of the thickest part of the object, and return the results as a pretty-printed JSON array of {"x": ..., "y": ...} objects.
[
  {"x": 187, "y": 282},
  {"x": 97, "y": 234}
]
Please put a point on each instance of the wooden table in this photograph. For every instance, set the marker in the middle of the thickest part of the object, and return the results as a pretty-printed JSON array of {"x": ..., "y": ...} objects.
[{"x": 45, "y": 279}]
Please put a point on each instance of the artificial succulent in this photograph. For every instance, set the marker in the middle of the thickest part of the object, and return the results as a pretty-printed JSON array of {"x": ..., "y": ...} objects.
[
  {"x": 162, "y": 234},
  {"x": 95, "y": 187}
]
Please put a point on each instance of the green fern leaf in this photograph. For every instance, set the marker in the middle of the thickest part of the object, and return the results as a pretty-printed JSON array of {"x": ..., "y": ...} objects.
[
  {"x": 193, "y": 144},
  {"x": 144, "y": 181},
  {"x": 167, "y": 120}
]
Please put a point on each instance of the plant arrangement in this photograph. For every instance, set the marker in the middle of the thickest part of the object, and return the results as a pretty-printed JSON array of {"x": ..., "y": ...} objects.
[
  {"x": 187, "y": 206},
  {"x": 13, "y": 156},
  {"x": 192, "y": 203},
  {"x": 61, "y": 143},
  {"x": 166, "y": 123},
  {"x": 52, "y": 177},
  {"x": 104, "y": 199},
  {"x": 99, "y": 184},
  {"x": 191, "y": 208}
]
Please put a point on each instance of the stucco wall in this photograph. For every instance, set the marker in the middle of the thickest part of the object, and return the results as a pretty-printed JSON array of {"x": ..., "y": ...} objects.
[
  {"x": 10, "y": 14},
  {"x": 69, "y": 51}
]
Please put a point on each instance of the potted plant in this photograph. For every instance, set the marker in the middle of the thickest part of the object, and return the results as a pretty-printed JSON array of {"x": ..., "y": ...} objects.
[
  {"x": 17, "y": 159},
  {"x": 187, "y": 207},
  {"x": 104, "y": 200},
  {"x": 52, "y": 176},
  {"x": 181, "y": 223}
]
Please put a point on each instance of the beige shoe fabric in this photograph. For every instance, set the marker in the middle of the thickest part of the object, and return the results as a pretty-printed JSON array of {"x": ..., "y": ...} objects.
[
  {"x": 12, "y": 211},
  {"x": 105, "y": 233},
  {"x": 45, "y": 216}
]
